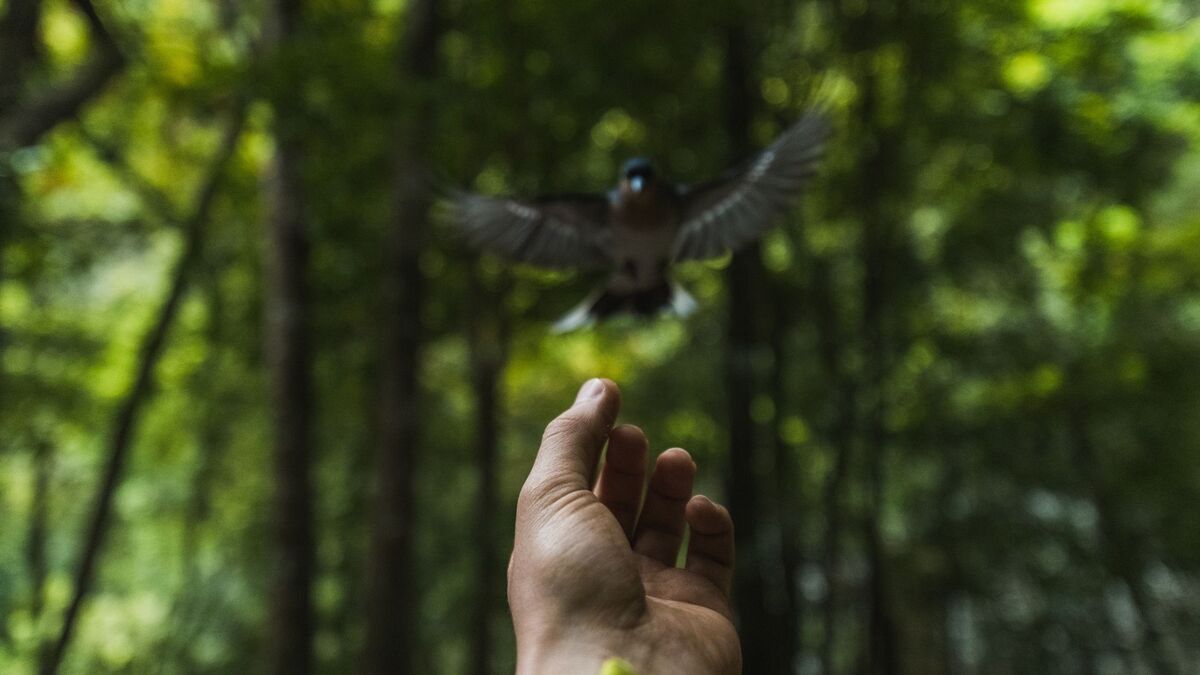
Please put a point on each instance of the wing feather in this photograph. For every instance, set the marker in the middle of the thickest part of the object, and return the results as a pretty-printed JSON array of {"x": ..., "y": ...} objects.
[
  {"x": 730, "y": 212},
  {"x": 558, "y": 232}
]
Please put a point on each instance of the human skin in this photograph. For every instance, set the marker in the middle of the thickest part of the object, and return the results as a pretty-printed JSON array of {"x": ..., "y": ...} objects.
[{"x": 592, "y": 574}]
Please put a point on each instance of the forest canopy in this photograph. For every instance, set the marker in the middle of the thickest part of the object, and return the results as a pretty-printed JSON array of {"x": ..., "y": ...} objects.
[{"x": 260, "y": 411}]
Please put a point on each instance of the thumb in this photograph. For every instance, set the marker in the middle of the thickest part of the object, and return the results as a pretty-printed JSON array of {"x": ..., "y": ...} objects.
[{"x": 571, "y": 445}]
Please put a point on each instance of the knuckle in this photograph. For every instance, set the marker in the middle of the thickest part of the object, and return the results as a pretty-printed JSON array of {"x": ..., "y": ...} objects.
[
  {"x": 529, "y": 495},
  {"x": 537, "y": 494},
  {"x": 574, "y": 427},
  {"x": 564, "y": 427}
]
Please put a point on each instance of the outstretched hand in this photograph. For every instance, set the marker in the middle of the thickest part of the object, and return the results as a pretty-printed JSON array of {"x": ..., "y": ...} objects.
[{"x": 593, "y": 572}]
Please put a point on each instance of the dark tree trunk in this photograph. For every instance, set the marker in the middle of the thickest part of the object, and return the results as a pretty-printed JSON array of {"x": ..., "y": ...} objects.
[
  {"x": 830, "y": 344},
  {"x": 489, "y": 347},
  {"x": 742, "y": 486},
  {"x": 19, "y": 47},
  {"x": 289, "y": 366},
  {"x": 764, "y": 648},
  {"x": 289, "y": 361},
  {"x": 36, "y": 550},
  {"x": 391, "y": 598},
  {"x": 125, "y": 422},
  {"x": 877, "y": 180},
  {"x": 883, "y": 658},
  {"x": 390, "y": 616},
  {"x": 788, "y": 498}
]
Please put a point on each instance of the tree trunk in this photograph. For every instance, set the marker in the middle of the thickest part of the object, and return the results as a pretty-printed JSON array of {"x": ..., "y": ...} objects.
[
  {"x": 36, "y": 549},
  {"x": 876, "y": 181},
  {"x": 19, "y": 47},
  {"x": 289, "y": 364},
  {"x": 289, "y": 370},
  {"x": 788, "y": 482},
  {"x": 125, "y": 422},
  {"x": 874, "y": 255},
  {"x": 391, "y": 600},
  {"x": 882, "y": 655},
  {"x": 489, "y": 346},
  {"x": 830, "y": 344},
  {"x": 764, "y": 648}
]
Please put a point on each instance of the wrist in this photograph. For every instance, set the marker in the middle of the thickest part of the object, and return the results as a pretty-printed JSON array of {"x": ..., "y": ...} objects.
[{"x": 576, "y": 652}]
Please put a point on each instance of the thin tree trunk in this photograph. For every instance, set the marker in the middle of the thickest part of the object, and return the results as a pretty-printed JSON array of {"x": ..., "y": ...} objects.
[
  {"x": 764, "y": 648},
  {"x": 36, "y": 549},
  {"x": 844, "y": 411},
  {"x": 390, "y": 620},
  {"x": 876, "y": 233},
  {"x": 391, "y": 598},
  {"x": 489, "y": 347},
  {"x": 19, "y": 47},
  {"x": 125, "y": 423},
  {"x": 289, "y": 361},
  {"x": 882, "y": 655},
  {"x": 876, "y": 180},
  {"x": 289, "y": 366},
  {"x": 788, "y": 484}
]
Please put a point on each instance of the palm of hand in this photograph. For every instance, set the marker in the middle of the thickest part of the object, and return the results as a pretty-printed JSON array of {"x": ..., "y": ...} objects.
[{"x": 607, "y": 567}]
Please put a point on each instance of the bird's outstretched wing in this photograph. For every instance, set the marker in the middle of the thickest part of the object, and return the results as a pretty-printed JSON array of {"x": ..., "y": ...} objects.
[
  {"x": 733, "y": 210},
  {"x": 567, "y": 231}
]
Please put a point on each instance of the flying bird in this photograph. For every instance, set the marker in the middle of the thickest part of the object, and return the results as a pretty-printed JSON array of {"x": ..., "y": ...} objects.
[{"x": 646, "y": 224}]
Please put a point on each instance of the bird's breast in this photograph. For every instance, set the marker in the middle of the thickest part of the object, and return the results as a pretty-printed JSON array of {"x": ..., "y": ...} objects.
[
  {"x": 646, "y": 213},
  {"x": 643, "y": 236}
]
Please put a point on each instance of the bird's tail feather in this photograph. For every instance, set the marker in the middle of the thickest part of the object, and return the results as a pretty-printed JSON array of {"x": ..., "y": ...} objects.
[{"x": 608, "y": 302}]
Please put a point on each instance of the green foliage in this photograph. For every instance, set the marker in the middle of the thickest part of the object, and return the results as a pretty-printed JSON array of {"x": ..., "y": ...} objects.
[{"x": 1042, "y": 321}]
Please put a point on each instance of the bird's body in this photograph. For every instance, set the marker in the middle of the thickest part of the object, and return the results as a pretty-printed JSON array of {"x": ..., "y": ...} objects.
[{"x": 645, "y": 225}]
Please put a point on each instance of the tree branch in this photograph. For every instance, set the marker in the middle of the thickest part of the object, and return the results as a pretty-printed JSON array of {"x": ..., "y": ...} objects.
[
  {"x": 125, "y": 421},
  {"x": 26, "y": 124},
  {"x": 151, "y": 196}
]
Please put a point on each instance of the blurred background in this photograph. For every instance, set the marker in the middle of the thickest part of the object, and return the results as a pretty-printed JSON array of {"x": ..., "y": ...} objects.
[{"x": 260, "y": 413}]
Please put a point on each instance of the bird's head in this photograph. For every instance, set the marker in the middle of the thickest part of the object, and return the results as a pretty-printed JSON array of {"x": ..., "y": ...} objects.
[{"x": 637, "y": 175}]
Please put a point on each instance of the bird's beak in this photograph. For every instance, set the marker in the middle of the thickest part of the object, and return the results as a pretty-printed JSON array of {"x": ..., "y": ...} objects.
[{"x": 636, "y": 184}]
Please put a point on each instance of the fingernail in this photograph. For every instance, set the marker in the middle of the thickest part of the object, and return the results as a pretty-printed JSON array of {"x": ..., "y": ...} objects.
[{"x": 593, "y": 388}]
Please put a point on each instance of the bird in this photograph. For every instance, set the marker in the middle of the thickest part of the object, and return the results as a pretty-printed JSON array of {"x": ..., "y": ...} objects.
[{"x": 645, "y": 225}]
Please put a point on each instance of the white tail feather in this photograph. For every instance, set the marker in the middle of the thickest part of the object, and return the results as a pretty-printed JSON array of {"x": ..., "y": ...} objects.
[
  {"x": 586, "y": 313},
  {"x": 682, "y": 302}
]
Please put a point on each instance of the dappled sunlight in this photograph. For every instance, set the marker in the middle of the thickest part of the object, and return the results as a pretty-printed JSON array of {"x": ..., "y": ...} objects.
[{"x": 951, "y": 388}]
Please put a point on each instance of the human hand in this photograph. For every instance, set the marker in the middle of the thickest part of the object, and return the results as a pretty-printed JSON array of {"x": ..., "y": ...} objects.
[{"x": 589, "y": 579}]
